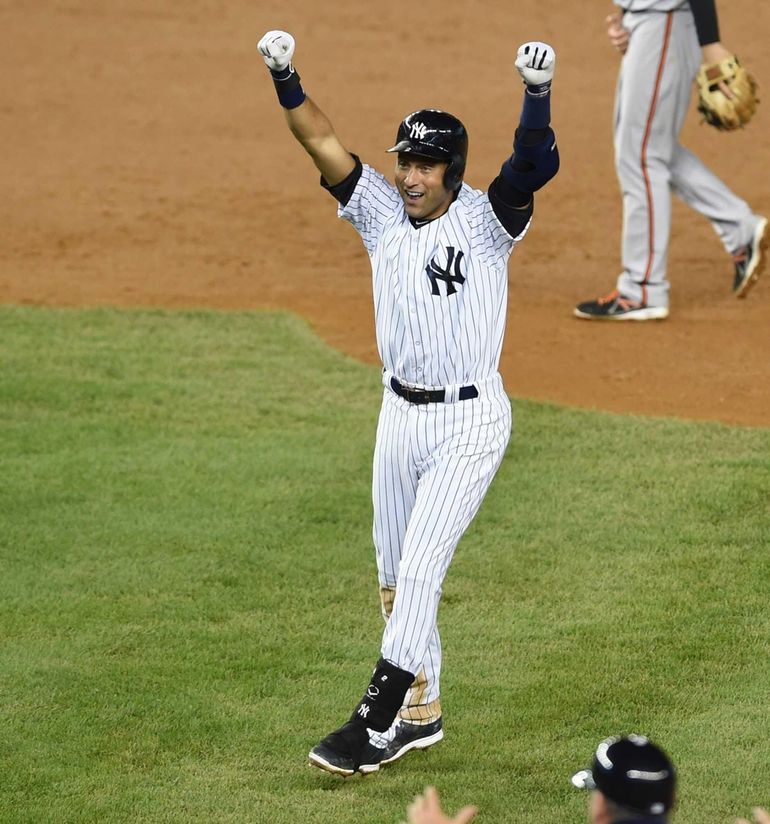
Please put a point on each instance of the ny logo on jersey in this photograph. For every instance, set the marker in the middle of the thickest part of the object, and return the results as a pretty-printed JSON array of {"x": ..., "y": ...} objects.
[
  {"x": 450, "y": 274},
  {"x": 419, "y": 130},
  {"x": 363, "y": 710}
]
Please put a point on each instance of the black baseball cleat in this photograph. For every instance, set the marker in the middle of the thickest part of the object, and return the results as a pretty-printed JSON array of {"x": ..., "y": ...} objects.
[
  {"x": 412, "y": 737},
  {"x": 346, "y": 751},
  {"x": 617, "y": 307},
  {"x": 750, "y": 260}
]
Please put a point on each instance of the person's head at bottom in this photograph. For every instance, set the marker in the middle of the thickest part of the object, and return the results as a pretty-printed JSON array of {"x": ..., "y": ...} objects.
[{"x": 631, "y": 780}]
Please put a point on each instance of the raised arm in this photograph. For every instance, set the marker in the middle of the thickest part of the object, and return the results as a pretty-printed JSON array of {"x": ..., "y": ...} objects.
[
  {"x": 535, "y": 158},
  {"x": 307, "y": 122}
]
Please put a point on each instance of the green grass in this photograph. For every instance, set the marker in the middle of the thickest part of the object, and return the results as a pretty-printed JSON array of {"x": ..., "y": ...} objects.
[{"x": 188, "y": 597}]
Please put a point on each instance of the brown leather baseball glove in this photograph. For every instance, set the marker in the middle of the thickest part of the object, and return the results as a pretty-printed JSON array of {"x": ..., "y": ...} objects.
[{"x": 727, "y": 94}]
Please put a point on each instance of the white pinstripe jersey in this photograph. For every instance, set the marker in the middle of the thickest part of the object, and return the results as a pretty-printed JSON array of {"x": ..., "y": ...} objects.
[{"x": 440, "y": 290}]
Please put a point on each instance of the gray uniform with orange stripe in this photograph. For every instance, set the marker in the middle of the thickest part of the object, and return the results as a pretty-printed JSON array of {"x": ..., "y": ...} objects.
[{"x": 652, "y": 98}]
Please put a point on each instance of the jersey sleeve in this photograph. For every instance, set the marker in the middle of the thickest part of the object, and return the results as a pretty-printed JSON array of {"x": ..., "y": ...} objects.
[
  {"x": 706, "y": 21},
  {"x": 512, "y": 207},
  {"x": 497, "y": 240},
  {"x": 343, "y": 190},
  {"x": 371, "y": 203}
]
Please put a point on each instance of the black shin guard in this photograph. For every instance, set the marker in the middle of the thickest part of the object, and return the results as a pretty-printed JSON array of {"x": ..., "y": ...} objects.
[{"x": 384, "y": 696}]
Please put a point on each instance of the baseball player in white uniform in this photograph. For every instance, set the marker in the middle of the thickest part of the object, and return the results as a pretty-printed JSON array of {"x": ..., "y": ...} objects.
[
  {"x": 439, "y": 252},
  {"x": 663, "y": 43}
]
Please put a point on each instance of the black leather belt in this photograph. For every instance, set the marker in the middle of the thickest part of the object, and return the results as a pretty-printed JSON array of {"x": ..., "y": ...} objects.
[
  {"x": 430, "y": 395},
  {"x": 683, "y": 7}
]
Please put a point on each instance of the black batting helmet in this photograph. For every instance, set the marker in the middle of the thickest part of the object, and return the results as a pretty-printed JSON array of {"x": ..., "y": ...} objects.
[{"x": 439, "y": 135}]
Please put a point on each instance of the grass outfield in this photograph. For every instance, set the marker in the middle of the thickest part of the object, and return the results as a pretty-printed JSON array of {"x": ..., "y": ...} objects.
[{"x": 188, "y": 596}]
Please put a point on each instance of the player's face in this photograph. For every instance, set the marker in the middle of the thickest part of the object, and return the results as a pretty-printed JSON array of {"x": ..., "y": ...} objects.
[{"x": 420, "y": 182}]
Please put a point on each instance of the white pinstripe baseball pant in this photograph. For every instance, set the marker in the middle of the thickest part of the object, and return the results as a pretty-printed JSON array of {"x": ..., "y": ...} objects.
[{"x": 433, "y": 464}]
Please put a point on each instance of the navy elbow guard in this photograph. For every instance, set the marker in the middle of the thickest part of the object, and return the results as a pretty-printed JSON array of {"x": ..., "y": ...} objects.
[{"x": 531, "y": 166}]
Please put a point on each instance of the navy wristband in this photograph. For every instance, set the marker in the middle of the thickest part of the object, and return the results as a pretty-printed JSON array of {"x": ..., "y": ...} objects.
[
  {"x": 288, "y": 88},
  {"x": 536, "y": 111}
]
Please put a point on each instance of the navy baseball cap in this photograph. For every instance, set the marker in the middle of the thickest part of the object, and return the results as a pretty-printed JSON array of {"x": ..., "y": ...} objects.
[{"x": 633, "y": 772}]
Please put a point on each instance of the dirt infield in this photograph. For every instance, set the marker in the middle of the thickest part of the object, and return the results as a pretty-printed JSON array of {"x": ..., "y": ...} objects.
[{"x": 145, "y": 162}]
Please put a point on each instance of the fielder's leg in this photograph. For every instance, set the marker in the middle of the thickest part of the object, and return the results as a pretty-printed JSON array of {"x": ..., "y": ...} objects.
[
  {"x": 652, "y": 99},
  {"x": 701, "y": 189},
  {"x": 740, "y": 230}
]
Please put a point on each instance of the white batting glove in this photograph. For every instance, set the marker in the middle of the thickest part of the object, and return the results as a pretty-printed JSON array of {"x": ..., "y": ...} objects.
[
  {"x": 277, "y": 49},
  {"x": 536, "y": 62}
]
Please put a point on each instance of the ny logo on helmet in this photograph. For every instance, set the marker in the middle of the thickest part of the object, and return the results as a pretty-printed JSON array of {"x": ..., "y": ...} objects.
[
  {"x": 419, "y": 130},
  {"x": 450, "y": 273}
]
